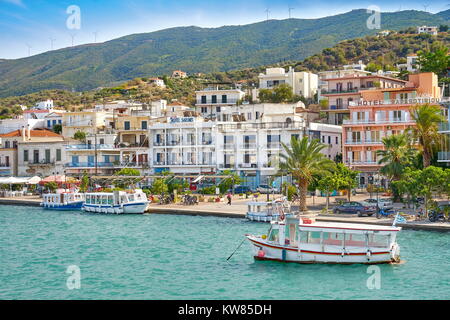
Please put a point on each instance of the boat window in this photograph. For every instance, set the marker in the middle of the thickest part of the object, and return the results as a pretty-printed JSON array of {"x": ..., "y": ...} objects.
[
  {"x": 355, "y": 240},
  {"x": 333, "y": 238},
  {"x": 124, "y": 199},
  {"x": 131, "y": 197},
  {"x": 88, "y": 199},
  {"x": 291, "y": 234},
  {"x": 110, "y": 200},
  {"x": 274, "y": 235},
  {"x": 378, "y": 241},
  {"x": 98, "y": 199},
  {"x": 104, "y": 199},
  {"x": 310, "y": 236}
]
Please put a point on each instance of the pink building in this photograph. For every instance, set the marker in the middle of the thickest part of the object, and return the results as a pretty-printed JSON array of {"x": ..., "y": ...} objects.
[{"x": 378, "y": 113}]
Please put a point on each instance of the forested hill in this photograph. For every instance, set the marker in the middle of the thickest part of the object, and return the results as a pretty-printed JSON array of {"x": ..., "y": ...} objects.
[{"x": 194, "y": 49}]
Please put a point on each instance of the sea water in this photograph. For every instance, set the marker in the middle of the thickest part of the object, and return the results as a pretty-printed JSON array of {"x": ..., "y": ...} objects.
[{"x": 185, "y": 257}]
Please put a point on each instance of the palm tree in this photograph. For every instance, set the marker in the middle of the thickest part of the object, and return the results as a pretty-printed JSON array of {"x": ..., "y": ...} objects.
[
  {"x": 397, "y": 154},
  {"x": 304, "y": 160},
  {"x": 427, "y": 118}
]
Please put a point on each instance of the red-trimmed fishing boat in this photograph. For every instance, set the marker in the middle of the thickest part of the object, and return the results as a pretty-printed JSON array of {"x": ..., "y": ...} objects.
[{"x": 303, "y": 240}]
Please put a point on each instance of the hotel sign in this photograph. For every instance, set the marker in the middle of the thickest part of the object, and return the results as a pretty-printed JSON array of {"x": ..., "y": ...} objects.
[
  {"x": 418, "y": 100},
  {"x": 181, "y": 120}
]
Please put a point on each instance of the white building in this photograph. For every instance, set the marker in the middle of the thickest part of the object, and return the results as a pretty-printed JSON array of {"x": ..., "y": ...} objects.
[
  {"x": 53, "y": 119},
  {"x": 355, "y": 66},
  {"x": 430, "y": 30},
  {"x": 411, "y": 63},
  {"x": 158, "y": 82},
  {"x": 8, "y": 125},
  {"x": 212, "y": 101},
  {"x": 44, "y": 105},
  {"x": 341, "y": 73},
  {"x": 303, "y": 83},
  {"x": 330, "y": 135}
]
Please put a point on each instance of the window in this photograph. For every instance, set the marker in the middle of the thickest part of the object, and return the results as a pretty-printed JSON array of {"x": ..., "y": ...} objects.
[
  {"x": 274, "y": 235},
  {"x": 102, "y": 141},
  {"x": 7, "y": 144},
  {"x": 58, "y": 154},
  {"x": 257, "y": 115},
  {"x": 127, "y": 125},
  {"x": 204, "y": 109},
  {"x": 329, "y": 139},
  {"x": 217, "y": 109},
  {"x": 310, "y": 236},
  {"x": 337, "y": 140},
  {"x": 214, "y": 99},
  {"x": 333, "y": 239},
  {"x": 203, "y": 99},
  {"x": 47, "y": 155},
  {"x": 224, "y": 98},
  {"x": 144, "y": 125},
  {"x": 25, "y": 155}
]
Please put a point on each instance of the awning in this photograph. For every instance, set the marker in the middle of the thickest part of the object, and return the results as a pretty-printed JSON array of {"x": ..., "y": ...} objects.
[{"x": 59, "y": 179}]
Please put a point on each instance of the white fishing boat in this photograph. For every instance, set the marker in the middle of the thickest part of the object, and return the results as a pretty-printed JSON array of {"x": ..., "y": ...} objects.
[
  {"x": 268, "y": 211},
  {"x": 117, "y": 202},
  {"x": 63, "y": 201},
  {"x": 306, "y": 241}
]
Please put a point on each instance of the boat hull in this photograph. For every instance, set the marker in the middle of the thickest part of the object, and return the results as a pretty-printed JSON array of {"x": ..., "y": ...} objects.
[
  {"x": 63, "y": 207},
  {"x": 263, "y": 250},
  {"x": 264, "y": 217},
  {"x": 129, "y": 208},
  {"x": 135, "y": 208}
]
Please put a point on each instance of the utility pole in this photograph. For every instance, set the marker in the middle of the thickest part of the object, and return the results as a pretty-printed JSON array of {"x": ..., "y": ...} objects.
[
  {"x": 51, "y": 43},
  {"x": 72, "y": 36},
  {"x": 95, "y": 36},
  {"x": 95, "y": 148},
  {"x": 29, "y": 49},
  {"x": 267, "y": 12}
]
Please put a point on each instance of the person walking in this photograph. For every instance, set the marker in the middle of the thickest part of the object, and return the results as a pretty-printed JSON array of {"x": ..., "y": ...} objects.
[{"x": 229, "y": 197}]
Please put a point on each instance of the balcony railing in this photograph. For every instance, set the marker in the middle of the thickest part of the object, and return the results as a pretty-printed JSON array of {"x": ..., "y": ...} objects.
[
  {"x": 378, "y": 121},
  {"x": 248, "y": 146},
  {"x": 5, "y": 165},
  {"x": 444, "y": 127},
  {"x": 90, "y": 165},
  {"x": 248, "y": 165},
  {"x": 273, "y": 145},
  {"x": 217, "y": 102},
  {"x": 444, "y": 156},
  {"x": 357, "y": 142},
  {"x": 134, "y": 145},
  {"x": 335, "y": 91},
  {"x": 89, "y": 147}
]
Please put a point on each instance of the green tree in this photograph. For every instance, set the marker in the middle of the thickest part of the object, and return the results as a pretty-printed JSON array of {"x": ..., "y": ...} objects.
[
  {"x": 430, "y": 179},
  {"x": 347, "y": 178},
  {"x": 265, "y": 95},
  {"x": 84, "y": 183},
  {"x": 57, "y": 128},
  {"x": 127, "y": 172},
  {"x": 328, "y": 184},
  {"x": 228, "y": 183},
  {"x": 427, "y": 118},
  {"x": 407, "y": 185},
  {"x": 303, "y": 159},
  {"x": 282, "y": 93},
  {"x": 51, "y": 186},
  {"x": 80, "y": 136},
  {"x": 159, "y": 186},
  {"x": 435, "y": 60},
  {"x": 396, "y": 156}
]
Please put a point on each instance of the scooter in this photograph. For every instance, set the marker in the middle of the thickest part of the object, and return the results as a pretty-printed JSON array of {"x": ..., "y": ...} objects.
[
  {"x": 383, "y": 213},
  {"x": 437, "y": 216}
]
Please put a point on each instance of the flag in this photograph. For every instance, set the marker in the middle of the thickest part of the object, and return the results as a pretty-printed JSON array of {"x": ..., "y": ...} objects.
[{"x": 398, "y": 219}]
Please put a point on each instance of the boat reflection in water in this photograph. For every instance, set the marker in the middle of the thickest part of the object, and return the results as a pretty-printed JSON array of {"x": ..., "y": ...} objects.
[{"x": 303, "y": 240}]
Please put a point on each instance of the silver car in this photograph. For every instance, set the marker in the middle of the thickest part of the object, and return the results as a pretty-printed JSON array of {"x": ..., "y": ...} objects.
[{"x": 383, "y": 203}]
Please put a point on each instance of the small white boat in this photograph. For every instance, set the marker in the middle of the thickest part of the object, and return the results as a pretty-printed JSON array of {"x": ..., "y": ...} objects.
[
  {"x": 63, "y": 201},
  {"x": 268, "y": 211},
  {"x": 117, "y": 202},
  {"x": 306, "y": 241}
]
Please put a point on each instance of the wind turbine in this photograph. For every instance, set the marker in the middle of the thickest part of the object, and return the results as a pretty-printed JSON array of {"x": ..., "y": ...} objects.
[
  {"x": 95, "y": 36},
  {"x": 51, "y": 43},
  {"x": 290, "y": 9},
  {"x": 29, "y": 49},
  {"x": 267, "y": 12},
  {"x": 73, "y": 37},
  {"x": 425, "y": 6}
]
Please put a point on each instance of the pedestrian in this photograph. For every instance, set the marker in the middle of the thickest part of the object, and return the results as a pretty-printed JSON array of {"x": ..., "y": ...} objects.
[{"x": 229, "y": 198}]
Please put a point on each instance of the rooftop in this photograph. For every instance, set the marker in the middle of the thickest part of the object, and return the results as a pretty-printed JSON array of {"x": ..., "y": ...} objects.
[{"x": 33, "y": 133}]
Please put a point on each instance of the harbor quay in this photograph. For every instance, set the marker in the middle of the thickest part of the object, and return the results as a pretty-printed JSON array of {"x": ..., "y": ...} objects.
[{"x": 239, "y": 207}]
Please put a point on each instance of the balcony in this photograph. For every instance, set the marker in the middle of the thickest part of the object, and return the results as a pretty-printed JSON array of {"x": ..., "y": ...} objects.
[
  {"x": 273, "y": 145},
  {"x": 134, "y": 145},
  {"x": 41, "y": 163},
  {"x": 444, "y": 127},
  {"x": 444, "y": 157},
  {"x": 218, "y": 102},
  {"x": 335, "y": 107},
  {"x": 247, "y": 146},
  {"x": 248, "y": 165},
  {"x": 90, "y": 165},
  {"x": 75, "y": 147},
  {"x": 5, "y": 165},
  {"x": 335, "y": 91},
  {"x": 361, "y": 142},
  {"x": 377, "y": 121}
]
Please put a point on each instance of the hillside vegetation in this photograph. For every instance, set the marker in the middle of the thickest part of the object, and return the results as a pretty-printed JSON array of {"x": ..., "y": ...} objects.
[
  {"x": 194, "y": 49},
  {"x": 383, "y": 52}
]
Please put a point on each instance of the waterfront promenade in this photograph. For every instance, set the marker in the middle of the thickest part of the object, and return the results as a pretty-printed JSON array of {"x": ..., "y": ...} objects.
[{"x": 239, "y": 208}]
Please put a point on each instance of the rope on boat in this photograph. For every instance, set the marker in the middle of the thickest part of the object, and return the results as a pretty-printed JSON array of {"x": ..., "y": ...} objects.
[{"x": 236, "y": 249}]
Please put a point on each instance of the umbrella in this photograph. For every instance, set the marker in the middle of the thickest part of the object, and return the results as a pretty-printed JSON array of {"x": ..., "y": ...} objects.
[{"x": 34, "y": 180}]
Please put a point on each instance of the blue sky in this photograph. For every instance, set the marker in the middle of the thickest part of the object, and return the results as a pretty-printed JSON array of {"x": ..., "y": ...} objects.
[{"x": 26, "y": 26}]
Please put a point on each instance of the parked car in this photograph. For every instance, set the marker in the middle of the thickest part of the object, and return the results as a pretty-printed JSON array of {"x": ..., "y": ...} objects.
[
  {"x": 242, "y": 189},
  {"x": 383, "y": 203},
  {"x": 264, "y": 188},
  {"x": 360, "y": 208}
]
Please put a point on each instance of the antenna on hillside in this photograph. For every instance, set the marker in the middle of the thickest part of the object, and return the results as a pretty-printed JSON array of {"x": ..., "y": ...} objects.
[
  {"x": 425, "y": 6},
  {"x": 290, "y": 9},
  {"x": 73, "y": 37},
  {"x": 29, "y": 49},
  {"x": 400, "y": 9},
  {"x": 51, "y": 43},
  {"x": 267, "y": 12},
  {"x": 95, "y": 36}
]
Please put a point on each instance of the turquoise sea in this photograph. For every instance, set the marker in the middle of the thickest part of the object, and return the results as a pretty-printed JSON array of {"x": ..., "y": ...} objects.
[{"x": 184, "y": 257}]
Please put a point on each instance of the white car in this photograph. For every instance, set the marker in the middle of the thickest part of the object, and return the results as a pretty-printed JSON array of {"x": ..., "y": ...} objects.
[
  {"x": 383, "y": 203},
  {"x": 264, "y": 188}
]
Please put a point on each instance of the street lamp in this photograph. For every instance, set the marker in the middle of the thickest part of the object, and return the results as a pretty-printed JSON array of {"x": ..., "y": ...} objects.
[{"x": 377, "y": 180}]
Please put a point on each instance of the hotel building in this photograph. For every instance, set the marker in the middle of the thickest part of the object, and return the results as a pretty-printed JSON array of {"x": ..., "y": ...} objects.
[{"x": 375, "y": 114}]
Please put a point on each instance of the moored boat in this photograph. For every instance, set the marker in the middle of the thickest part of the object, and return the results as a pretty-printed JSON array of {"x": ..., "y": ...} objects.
[
  {"x": 63, "y": 201},
  {"x": 117, "y": 202},
  {"x": 306, "y": 241},
  {"x": 268, "y": 211}
]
